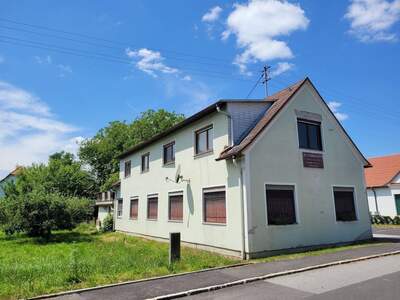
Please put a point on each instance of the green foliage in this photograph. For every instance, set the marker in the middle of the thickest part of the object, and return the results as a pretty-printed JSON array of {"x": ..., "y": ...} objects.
[
  {"x": 113, "y": 178},
  {"x": 62, "y": 175},
  {"x": 108, "y": 224},
  {"x": 385, "y": 220},
  {"x": 100, "y": 152},
  {"x": 38, "y": 213},
  {"x": 77, "y": 269}
]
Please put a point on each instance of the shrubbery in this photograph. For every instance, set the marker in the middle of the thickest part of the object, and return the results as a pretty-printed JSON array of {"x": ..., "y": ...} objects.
[
  {"x": 376, "y": 219},
  {"x": 38, "y": 213},
  {"x": 108, "y": 223}
]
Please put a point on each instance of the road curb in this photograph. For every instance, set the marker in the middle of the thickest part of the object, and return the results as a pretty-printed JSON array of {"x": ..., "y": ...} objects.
[
  {"x": 267, "y": 276},
  {"x": 64, "y": 293}
]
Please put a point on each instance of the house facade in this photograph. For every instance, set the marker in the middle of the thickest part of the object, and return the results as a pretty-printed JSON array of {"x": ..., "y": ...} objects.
[
  {"x": 246, "y": 178},
  {"x": 11, "y": 177},
  {"x": 105, "y": 203},
  {"x": 383, "y": 185}
]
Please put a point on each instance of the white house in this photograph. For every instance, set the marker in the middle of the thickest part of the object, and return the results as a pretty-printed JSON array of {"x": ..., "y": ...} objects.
[
  {"x": 248, "y": 177},
  {"x": 105, "y": 203},
  {"x": 383, "y": 185},
  {"x": 11, "y": 177}
]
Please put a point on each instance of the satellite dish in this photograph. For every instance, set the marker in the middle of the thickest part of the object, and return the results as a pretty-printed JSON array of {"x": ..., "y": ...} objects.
[{"x": 178, "y": 174}]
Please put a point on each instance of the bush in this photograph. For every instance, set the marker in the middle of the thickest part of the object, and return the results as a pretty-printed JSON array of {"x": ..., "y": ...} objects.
[
  {"x": 38, "y": 213},
  {"x": 108, "y": 223},
  {"x": 385, "y": 220}
]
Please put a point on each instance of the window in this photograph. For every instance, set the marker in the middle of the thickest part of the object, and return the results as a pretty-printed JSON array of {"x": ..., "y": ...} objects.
[
  {"x": 152, "y": 207},
  {"x": 214, "y": 205},
  {"x": 134, "y": 208},
  {"x": 344, "y": 204},
  {"x": 280, "y": 204},
  {"x": 169, "y": 153},
  {"x": 127, "y": 168},
  {"x": 309, "y": 135},
  {"x": 145, "y": 162},
  {"x": 175, "y": 207},
  {"x": 119, "y": 208},
  {"x": 204, "y": 141}
]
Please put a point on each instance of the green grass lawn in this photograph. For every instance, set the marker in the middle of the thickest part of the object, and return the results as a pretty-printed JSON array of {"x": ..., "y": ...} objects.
[{"x": 83, "y": 258}]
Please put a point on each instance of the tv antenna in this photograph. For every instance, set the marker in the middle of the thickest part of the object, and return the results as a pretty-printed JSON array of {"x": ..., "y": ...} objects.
[{"x": 266, "y": 78}]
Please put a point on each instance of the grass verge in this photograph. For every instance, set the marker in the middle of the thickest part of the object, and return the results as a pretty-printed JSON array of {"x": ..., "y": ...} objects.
[{"x": 83, "y": 258}]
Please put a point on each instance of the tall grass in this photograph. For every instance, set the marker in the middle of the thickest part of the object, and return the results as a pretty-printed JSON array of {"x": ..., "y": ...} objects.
[{"x": 84, "y": 258}]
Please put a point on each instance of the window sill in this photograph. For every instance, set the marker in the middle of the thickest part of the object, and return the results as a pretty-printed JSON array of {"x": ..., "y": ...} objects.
[
  {"x": 133, "y": 219},
  {"x": 119, "y": 217},
  {"x": 282, "y": 225},
  {"x": 175, "y": 221},
  {"x": 214, "y": 224},
  {"x": 311, "y": 150},
  {"x": 151, "y": 219},
  {"x": 346, "y": 222},
  {"x": 144, "y": 172},
  {"x": 202, "y": 154},
  {"x": 169, "y": 164},
  {"x": 125, "y": 177}
]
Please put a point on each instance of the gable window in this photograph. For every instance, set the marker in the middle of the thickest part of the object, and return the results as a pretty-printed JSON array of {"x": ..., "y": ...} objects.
[
  {"x": 309, "y": 134},
  {"x": 119, "y": 208},
  {"x": 169, "y": 153},
  {"x": 152, "y": 207},
  {"x": 344, "y": 204},
  {"x": 145, "y": 162},
  {"x": 204, "y": 140},
  {"x": 175, "y": 207},
  {"x": 280, "y": 204},
  {"x": 134, "y": 208},
  {"x": 214, "y": 204},
  {"x": 127, "y": 170}
]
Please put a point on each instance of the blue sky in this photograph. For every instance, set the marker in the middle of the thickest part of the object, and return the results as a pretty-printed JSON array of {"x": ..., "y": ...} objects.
[{"x": 67, "y": 68}]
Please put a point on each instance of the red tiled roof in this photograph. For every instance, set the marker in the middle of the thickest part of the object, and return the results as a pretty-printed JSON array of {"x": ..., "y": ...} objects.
[{"x": 384, "y": 170}]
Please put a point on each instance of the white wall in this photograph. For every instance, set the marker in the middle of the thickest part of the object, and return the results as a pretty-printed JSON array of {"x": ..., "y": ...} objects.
[
  {"x": 202, "y": 171},
  {"x": 385, "y": 199},
  {"x": 276, "y": 158},
  {"x": 102, "y": 213}
]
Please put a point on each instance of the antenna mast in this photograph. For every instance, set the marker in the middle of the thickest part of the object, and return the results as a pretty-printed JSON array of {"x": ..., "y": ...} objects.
[{"x": 266, "y": 78}]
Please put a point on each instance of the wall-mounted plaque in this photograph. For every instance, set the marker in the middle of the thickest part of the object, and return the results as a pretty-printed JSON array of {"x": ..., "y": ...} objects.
[{"x": 313, "y": 160}]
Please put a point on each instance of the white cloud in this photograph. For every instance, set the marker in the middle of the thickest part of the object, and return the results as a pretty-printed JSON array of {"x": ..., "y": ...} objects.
[
  {"x": 14, "y": 98},
  {"x": 281, "y": 67},
  {"x": 186, "y": 78},
  {"x": 372, "y": 20},
  {"x": 259, "y": 27},
  {"x": 63, "y": 69},
  {"x": 335, "y": 106},
  {"x": 29, "y": 132},
  {"x": 212, "y": 15},
  {"x": 150, "y": 62}
]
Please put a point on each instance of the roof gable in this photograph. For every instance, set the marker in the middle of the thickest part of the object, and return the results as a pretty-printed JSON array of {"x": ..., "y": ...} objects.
[
  {"x": 281, "y": 100},
  {"x": 384, "y": 170}
]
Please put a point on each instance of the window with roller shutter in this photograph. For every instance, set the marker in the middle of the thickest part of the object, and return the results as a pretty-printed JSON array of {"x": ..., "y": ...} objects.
[
  {"x": 214, "y": 203},
  {"x": 175, "y": 207},
  {"x": 152, "y": 207}
]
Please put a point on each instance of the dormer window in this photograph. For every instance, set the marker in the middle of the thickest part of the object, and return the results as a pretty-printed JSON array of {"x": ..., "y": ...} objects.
[{"x": 309, "y": 134}]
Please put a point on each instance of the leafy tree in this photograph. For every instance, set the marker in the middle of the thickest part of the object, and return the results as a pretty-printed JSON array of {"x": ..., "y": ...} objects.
[
  {"x": 62, "y": 175},
  {"x": 100, "y": 152},
  {"x": 38, "y": 213}
]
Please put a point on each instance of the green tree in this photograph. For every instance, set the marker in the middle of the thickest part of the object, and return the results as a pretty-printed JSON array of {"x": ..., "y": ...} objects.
[
  {"x": 62, "y": 175},
  {"x": 100, "y": 152}
]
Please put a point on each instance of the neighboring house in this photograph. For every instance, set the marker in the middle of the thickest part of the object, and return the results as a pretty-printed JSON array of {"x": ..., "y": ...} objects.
[
  {"x": 105, "y": 203},
  {"x": 247, "y": 177},
  {"x": 9, "y": 178},
  {"x": 383, "y": 185}
]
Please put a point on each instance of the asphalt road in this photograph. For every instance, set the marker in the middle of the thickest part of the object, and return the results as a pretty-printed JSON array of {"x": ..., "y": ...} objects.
[{"x": 371, "y": 279}]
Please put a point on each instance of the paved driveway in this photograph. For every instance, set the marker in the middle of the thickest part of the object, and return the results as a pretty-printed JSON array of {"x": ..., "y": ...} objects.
[{"x": 387, "y": 231}]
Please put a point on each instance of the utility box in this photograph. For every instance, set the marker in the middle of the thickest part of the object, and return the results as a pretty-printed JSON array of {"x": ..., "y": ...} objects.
[{"x": 174, "y": 246}]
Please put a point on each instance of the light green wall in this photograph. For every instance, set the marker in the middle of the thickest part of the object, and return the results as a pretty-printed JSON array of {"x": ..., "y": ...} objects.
[{"x": 276, "y": 158}]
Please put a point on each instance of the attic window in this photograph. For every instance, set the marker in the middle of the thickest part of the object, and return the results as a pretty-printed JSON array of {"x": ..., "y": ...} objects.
[{"x": 309, "y": 134}]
